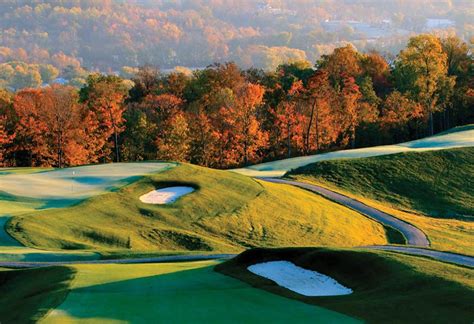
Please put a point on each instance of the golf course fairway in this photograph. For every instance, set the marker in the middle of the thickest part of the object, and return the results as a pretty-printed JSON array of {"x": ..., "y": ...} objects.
[
  {"x": 227, "y": 212},
  {"x": 187, "y": 292},
  {"x": 29, "y": 190},
  {"x": 454, "y": 138}
]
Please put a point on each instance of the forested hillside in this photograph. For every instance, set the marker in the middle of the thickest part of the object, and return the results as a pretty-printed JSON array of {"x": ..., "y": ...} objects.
[
  {"x": 107, "y": 35},
  {"x": 223, "y": 116}
]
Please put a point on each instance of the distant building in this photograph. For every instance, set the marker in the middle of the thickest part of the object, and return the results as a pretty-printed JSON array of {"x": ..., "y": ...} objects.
[{"x": 433, "y": 23}]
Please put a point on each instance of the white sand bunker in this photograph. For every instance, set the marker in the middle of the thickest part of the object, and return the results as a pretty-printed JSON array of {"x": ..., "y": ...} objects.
[
  {"x": 299, "y": 280},
  {"x": 165, "y": 195}
]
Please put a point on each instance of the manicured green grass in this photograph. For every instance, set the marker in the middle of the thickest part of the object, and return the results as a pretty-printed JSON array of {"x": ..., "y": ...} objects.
[
  {"x": 27, "y": 295},
  {"x": 186, "y": 292},
  {"x": 388, "y": 287},
  {"x": 68, "y": 185},
  {"x": 227, "y": 212},
  {"x": 438, "y": 183},
  {"x": 453, "y": 138}
]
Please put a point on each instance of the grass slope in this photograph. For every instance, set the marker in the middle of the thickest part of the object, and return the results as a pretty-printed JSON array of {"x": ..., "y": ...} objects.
[
  {"x": 437, "y": 183},
  {"x": 227, "y": 212},
  {"x": 27, "y": 295},
  {"x": 388, "y": 288},
  {"x": 186, "y": 292},
  {"x": 454, "y": 138}
]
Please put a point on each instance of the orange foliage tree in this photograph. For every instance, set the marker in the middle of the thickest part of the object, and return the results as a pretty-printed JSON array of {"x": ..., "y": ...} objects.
[
  {"x": 49, "y": 128},
  {"x": 104, "y": 96}
]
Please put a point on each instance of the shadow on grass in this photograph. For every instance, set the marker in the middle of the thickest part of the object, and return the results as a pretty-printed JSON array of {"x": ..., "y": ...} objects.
[
  {"x": 189, "y": 296},
  {"x": 385, "y": 289}
]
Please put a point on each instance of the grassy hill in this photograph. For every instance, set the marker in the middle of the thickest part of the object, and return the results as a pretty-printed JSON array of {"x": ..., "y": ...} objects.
[
  {"x": 227, "y": 212},
  {"x": 388, "y": 287},
  {"x": 435, "y": 183},
  {"x": 454, "y": 138}
]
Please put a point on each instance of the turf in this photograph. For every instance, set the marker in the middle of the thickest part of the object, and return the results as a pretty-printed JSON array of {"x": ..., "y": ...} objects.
[
  {"x": 27, "y": 295},
  {"x": 438, "y": 183},
  {"x": 228, "y": 212},
  {"x": 188, "y": 292},
  {"x": 456, "y": 137},
  {"x": 73, "y": 183},
  {"x": 25, "y": 190},
  {"x": 388, "y": 287}
]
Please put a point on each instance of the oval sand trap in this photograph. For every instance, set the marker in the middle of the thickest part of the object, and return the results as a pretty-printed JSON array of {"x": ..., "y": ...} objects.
[
  {"x": 302, "y": 281},
  {"x": 165, "y": 195}
]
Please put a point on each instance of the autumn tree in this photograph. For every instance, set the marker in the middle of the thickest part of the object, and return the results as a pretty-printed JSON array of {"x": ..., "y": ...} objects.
[
  {"x": 421, "y": 70},
  {"x": 319, "y": 95},
  {"x": 50, "y": 127},
  {"x": 104, "y": 95},
  {"x": 288, "y": 128},
  {"x": 146, "y": 82},
  {"x": 376, "y": 67},
  {"x": 349, "y": 117},
  {"x": 397, "y": 114},
  {"x": 250, "y": 136},
  {"x": 175, "y": 144},
  {"x": 342, "y": 62},
  {"x": 7, "y": 125},
  {"x": 203, "y": 139},
  {"x": 30, "y": 143},
  {"x": 5, "y": 139},
  {"x": 460, "y": 65},
  {"x": 61, "y": 113}
]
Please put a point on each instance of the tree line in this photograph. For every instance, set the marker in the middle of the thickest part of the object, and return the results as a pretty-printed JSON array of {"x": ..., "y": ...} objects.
[{"x": 225, "y": 117}]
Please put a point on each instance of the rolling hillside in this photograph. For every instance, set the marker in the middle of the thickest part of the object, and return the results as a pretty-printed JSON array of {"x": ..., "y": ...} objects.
[
  {"x": 437, "y": 183},
  {"x": 456, "y": 137},
  {"x": 227, "y": 212}
]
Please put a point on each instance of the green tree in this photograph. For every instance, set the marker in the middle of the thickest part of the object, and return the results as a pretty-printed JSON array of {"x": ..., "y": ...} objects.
[{"x": 421, "y": 70}]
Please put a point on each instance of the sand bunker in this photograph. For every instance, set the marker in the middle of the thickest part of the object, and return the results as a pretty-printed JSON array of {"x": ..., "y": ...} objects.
[
  {"x": 299, "y": 280},
  {"x": 165, "y": 195}
]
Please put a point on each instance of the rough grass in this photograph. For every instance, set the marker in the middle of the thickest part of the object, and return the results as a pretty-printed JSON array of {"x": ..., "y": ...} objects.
[
  {"x": 228, "y": 212},
  {"x": 388, "y": 287},
  {"x": 438, "y": 184},
  {"x": 27, "y": 295}
]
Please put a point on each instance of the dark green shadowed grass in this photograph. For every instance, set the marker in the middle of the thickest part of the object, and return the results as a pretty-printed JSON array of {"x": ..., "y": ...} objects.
[
  {"x": 388, "y": 287},
  {"x": 27, "y": 295}
]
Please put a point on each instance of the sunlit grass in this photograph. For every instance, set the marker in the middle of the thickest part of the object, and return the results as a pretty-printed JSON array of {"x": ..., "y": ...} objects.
[{"x": 228, "y": 212}]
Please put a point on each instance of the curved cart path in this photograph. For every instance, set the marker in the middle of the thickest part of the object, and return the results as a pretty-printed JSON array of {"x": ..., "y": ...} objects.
[
  {"x": 438, "y": 255},
  {"x": 414, "y": 236}
]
